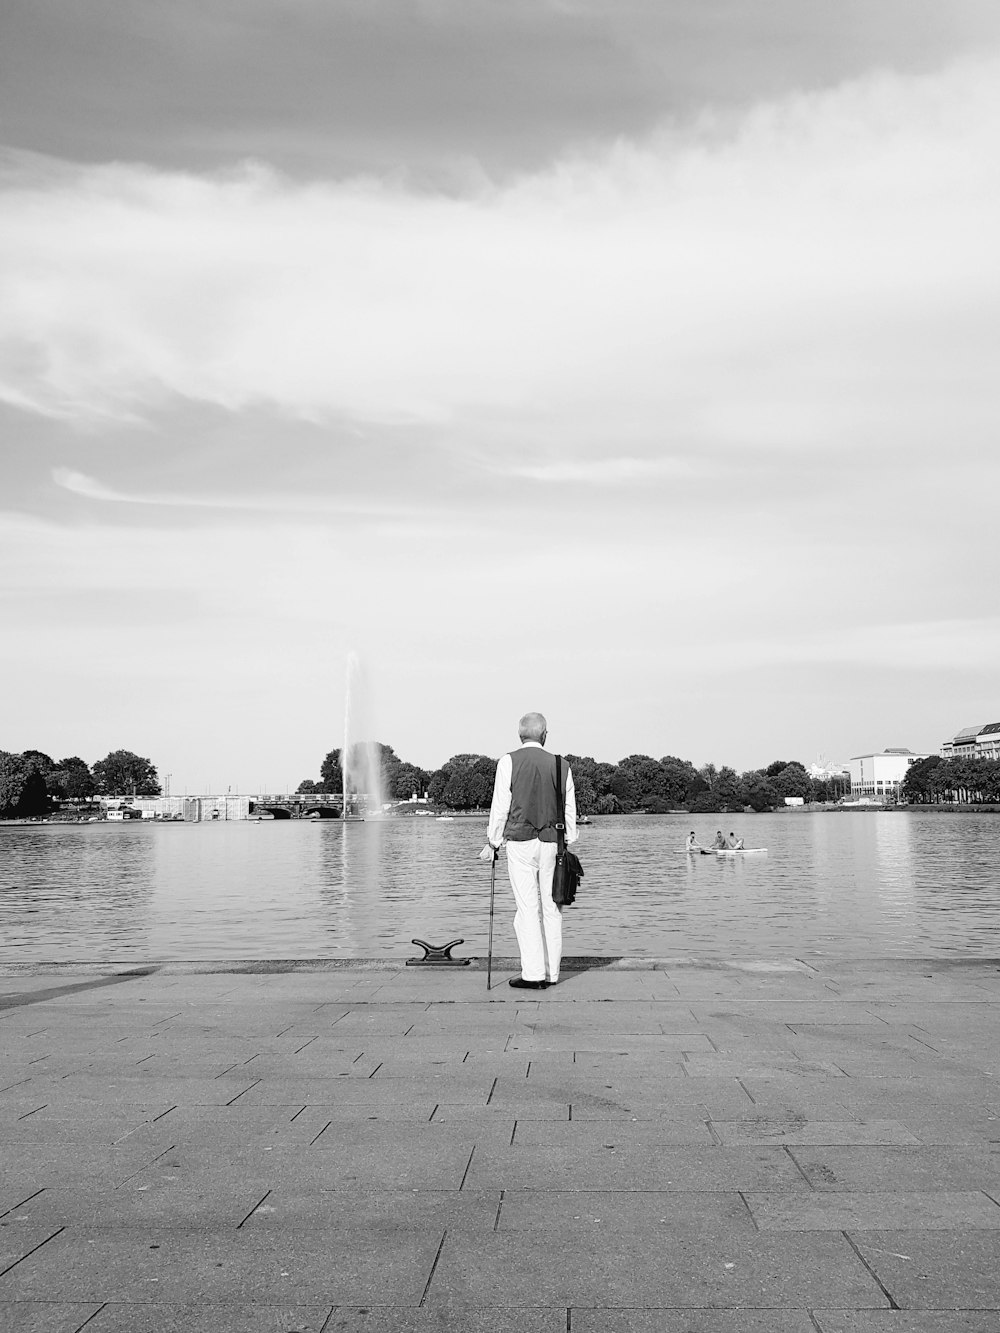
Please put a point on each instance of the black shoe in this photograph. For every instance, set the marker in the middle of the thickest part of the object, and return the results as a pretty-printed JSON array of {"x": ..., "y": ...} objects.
[{"x": 522, "y": 984}]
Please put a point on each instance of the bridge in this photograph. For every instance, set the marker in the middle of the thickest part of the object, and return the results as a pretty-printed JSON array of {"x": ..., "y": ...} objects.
[{"x": 298, "y": 805}]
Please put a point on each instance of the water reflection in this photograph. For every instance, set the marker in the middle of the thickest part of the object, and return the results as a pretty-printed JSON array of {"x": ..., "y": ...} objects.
[{"x": 890, "y": 884}]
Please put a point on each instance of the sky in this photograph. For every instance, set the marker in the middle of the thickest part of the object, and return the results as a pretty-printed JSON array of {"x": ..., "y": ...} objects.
[{"x": 633, "y": 362}]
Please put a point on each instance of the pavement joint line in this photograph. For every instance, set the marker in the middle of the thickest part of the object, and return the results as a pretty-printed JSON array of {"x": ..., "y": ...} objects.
[
  {"x": 376, "y": 1069},
  {"x": 496, "y": 1220},
  {"x": 875, "y": 1277},
  {"x": 795, "y": 1162},
  {"x": 163, "y": 1113},
  {"x": 34, "y": 1112},
  {"x": 746, "y": 1090},
  {"x": 321, "y": 1133},
  {"x": 22, "y": 1203},
  {"x": 146, "y": 1166},
  {"x": 813, "y": 1320},
  {"x": 430, "y": 1276},
  {"x": 253, "y": 1210},
  {"x": 467, "y": 1165},
  {"x": 746, "y": 1205},
  {"x": 91, "y": 1317},
  {"x": 300, "y": 1049},
  {"x": 5, "y": 1271},
  {"x": 493, "y": 1089},
  {"x": 247, "y": 1089}
]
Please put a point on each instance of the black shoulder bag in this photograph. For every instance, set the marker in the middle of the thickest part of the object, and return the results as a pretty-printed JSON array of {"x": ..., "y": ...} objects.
[{"x": 568, "y": 871}]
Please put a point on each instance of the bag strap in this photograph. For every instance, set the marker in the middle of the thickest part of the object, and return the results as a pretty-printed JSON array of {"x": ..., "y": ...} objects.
[{"x": 561, "y": 798}]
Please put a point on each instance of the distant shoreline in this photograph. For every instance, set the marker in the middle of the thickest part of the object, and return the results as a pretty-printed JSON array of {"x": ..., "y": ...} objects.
[{"x": 817, "y": 807}]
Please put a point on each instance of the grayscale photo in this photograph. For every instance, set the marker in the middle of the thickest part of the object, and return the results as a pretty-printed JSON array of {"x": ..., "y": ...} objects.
[{"x": 499, "y": 666}]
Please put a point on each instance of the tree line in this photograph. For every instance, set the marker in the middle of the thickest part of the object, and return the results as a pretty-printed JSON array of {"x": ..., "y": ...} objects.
[
  {"x": 637, "y": 782},
  {"x": 971, "y": 780},
  {"x": 32, "y": 782}
]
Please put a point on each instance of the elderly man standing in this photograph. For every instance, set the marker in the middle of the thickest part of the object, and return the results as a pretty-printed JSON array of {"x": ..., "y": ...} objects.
[{"x": 523, "y": 818}]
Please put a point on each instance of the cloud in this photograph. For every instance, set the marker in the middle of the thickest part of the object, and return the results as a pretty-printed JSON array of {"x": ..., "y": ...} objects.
[
  {"x": 78, "y": 483},
  {"x": 820, "y": 273},
  {"x": 607, "y": 471}
]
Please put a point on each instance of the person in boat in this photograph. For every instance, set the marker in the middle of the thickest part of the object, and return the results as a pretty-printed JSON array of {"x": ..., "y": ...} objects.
[
  {"x": 720, "y": 844},
  {"x": 523, "y": 818},
  {"x": 735, "y": 844},
  {"x": 692, "y": 842}
]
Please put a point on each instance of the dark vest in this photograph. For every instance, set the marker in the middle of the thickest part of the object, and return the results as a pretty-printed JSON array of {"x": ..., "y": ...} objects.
[{"x": 534, "y": 804}]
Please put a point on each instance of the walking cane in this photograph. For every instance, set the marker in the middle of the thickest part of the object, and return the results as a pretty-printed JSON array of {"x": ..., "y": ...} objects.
[{"x": 489, "y": 951}]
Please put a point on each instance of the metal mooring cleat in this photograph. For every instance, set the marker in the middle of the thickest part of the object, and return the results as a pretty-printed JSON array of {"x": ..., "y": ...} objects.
[{"x": 437, "y": 955}]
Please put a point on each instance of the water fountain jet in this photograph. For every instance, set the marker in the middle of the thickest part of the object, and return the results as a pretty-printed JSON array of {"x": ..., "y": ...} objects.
[{"x": 360, "y": 760}]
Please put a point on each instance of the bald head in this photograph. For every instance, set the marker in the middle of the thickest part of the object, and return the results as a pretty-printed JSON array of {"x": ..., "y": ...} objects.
[{"x": 533, "y": 727}]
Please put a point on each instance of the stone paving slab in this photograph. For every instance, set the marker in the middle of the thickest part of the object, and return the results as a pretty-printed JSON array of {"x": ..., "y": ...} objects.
[
  {"x": 340, "y": 1266},
  {"x": 635, "y": 1168},
  {"x": 891, "y": 1169},
  {"x": 942, "y": 1210},
  {"x": 117, "y": 1317},
  {"x": 595, "y": 1212},
  {"x": 690, "y": 1148},
  {"x": 45, "y": 1316},
  {"x": 692, "y": 1321},
  {"x": 469, "y": 1319},
  {"x": 958, "y": 1269},
  {"x": 904, "y": 1321},
  {"x": 634, "y": 1269}
]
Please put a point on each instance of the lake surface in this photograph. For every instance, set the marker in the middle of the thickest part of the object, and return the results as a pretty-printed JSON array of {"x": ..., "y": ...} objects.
[{"x": 904, "y": 884}]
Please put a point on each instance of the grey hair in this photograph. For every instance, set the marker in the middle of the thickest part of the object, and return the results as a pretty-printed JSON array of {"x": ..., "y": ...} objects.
[{"x": 532, "y": 727}]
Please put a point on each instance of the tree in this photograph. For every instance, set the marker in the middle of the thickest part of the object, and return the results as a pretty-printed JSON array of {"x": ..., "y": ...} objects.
[
  {"x": 469, "y": 784},
  {"x": 680, "y": 779},
  {"x": 22, "y": 787},
  {"x": 727, "y": 790},
  {"x": 307, "y": 787},
  {"x": 757, "y": 792},
  {"x": 408, "y": 779},
  {"x": 122, "y": 773},
  {"x": 38, "y": 760},
  {"x": 792, "y": 780},
  {"x": 70, "y": 779},
  {"x": 916, "y": 784},
  {"x": 330, "y": 773}
]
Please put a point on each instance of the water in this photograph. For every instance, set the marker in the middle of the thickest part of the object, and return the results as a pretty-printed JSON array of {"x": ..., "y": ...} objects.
[{"x": 913, "y": 884}]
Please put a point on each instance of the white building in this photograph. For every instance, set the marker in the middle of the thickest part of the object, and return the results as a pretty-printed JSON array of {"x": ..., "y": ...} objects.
[
  {"x": 982, "y": 742},
  {"x": 880, "y": 775}
]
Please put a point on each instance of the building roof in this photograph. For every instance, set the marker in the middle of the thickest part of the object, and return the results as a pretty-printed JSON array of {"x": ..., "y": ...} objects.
[
  {"x": 874, "y": 754},
  {"x": 968, "y": 733},
  {"x": 990, "y": 729}
]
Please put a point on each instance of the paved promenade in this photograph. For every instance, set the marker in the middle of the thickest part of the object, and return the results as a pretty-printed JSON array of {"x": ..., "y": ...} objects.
[{"x": 690, "y": 1148}]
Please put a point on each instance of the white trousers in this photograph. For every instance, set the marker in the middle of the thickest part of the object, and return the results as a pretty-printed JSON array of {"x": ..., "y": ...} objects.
[{"x": 537, "y": 921}]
